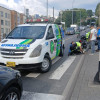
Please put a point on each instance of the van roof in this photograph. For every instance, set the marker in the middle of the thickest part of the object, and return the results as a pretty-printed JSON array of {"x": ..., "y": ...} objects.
[{"x": 35, "y": 24}]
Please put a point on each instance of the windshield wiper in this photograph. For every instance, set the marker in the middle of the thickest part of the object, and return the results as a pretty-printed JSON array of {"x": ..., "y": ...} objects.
[{"x": 10, "y": 37}]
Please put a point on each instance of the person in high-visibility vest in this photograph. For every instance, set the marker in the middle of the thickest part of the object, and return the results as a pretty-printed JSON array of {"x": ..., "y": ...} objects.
[
  {"x": 75, "y": 47},
  {"x": 88, "y": 36}
]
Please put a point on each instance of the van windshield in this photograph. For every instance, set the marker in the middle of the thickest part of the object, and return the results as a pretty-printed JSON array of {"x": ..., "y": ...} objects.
[{"x": 27, "y": 32}]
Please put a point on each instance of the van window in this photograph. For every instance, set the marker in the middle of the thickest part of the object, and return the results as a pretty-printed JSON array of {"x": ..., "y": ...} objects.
[
  {"x": 27, "y": 32},
  {"x": 50, "y": 33}
]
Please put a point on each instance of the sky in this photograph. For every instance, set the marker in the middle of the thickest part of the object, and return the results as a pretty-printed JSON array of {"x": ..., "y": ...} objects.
[{"x": 40, "y": 6}]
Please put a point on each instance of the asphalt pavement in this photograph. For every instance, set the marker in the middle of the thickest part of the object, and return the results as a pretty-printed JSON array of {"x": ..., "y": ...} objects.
[{"x": 51, "y": 85}]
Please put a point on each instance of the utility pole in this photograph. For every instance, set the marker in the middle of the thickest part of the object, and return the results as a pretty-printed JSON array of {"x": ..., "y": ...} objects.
[
  {"x": 80, "y": 17},
  {"x": 72, "y": 16},
  {"x": 61, "y": 16},
  {"x": 72, "y": 10},
  {"x": 47, "y": 8},
  {"x": 53, "y": 14}
]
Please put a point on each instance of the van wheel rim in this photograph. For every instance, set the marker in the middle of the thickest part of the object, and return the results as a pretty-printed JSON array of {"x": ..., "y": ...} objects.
[
  {"x": 45, "y": 64},
  {"x": 12, "y": 96}
]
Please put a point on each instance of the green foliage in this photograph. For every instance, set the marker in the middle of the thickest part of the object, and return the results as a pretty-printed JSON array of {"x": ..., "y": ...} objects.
[
  {"x": 97, "y": 9},
  {"x": 89, "y": 13},
  {"x": 67, "y": 16}
]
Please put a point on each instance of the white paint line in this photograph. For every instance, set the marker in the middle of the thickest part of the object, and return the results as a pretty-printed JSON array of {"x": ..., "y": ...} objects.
[
  {"x": 40, "y": 96},
  {"x": 55, "y": 60},
  {"x": 34, "y": 75},
  {"x": 58, "y": 73}
]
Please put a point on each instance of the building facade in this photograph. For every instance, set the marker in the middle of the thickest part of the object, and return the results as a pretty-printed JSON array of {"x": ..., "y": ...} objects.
[
  {"x": 5, "y": 22},
  {"x": 16, "y": 19}
]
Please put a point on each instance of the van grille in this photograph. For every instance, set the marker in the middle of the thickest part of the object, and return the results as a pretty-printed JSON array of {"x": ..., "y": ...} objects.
[{"x": 13, "y": 52}]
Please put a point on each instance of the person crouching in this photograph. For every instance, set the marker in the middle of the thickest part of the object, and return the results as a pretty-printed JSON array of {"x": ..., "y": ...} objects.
[{"x": 75, "y": 48}]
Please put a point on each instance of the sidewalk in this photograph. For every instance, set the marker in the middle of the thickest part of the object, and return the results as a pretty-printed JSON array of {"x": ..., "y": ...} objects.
[{"x": 86, "y": 88}]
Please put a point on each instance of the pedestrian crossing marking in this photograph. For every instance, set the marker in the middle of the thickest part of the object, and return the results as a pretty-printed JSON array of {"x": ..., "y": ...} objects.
[
  {"x": 58, "y": 73},
  {"x": 40, "y": 96},
  {"x": 34, "y": 75}
]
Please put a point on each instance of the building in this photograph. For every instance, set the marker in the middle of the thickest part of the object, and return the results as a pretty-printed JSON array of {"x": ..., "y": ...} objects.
[
  {"x": 36, "y": 16},
  {"x": 9, "y": 19},
  {"x": 27, "y": 13},
  {"x": 5, "y": 22},
  {"x": 16, "y": 19}
]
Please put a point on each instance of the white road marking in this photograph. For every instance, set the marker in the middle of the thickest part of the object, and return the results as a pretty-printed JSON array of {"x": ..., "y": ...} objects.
[
  {"x": 58, "y": 73},
  {"x": 34, "y": 75},
  {"x": 40, "y": 96}
]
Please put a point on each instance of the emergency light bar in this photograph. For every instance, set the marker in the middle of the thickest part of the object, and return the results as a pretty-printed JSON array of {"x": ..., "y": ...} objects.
[{"x": 36, "y": 20}]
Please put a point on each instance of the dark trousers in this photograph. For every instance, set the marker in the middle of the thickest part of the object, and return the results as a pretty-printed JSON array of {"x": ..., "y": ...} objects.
[
  {"x": 98, "y": 43},
  {"x": 76, "y": 51}
]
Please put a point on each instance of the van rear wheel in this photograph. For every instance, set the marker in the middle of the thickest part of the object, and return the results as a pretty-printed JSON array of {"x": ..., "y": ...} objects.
[{"x": 45, "y": 65}]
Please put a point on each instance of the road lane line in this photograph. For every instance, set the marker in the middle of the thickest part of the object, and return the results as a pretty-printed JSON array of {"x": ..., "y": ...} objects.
[
  {"x": 34, "y": 75},
  {"x": 40, "y": 96},
  {"x": 58, "y": 73}
]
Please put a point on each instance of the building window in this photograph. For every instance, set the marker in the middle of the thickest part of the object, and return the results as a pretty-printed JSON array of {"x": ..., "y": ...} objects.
[
  {"x": 6, "y": 30},
  {"x": 2, "y": 22},
  {"x": 8, "y": 16},
  {"x": 1, "y": 13},
  {"x": 6, "y": 23},
  {"x": 2, "y": 30},
  {"x": 18, "y": 20},
  {"x": 5, "y": 15},
  {"x": 15, "y": 17}
]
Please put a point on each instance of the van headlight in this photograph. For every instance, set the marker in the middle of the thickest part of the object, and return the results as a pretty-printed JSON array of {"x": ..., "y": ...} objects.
[{"x": 36, "y": 52}]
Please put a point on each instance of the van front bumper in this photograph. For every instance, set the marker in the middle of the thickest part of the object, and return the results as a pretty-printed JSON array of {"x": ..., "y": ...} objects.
[{"x": 24, "y": 63}]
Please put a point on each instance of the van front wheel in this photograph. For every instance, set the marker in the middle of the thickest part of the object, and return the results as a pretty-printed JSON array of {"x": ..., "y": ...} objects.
[{"x": 45, "y": 65}]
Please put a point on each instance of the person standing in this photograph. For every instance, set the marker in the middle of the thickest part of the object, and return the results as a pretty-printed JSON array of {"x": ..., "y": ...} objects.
[
  {"x": 93, "y": 37},
  {"x": 98, "y": 38}
]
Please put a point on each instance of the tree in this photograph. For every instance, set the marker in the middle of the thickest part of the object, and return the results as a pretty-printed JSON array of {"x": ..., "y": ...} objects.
[
  {"x": 97, "y": 12},
  {"x": 89, "y": 13},
  {"x": 97, "y": 9},
  {"x": 67, "y": 16}
]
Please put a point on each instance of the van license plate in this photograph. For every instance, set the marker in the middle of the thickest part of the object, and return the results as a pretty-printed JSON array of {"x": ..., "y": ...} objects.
[{"x": 10, "y": 64}]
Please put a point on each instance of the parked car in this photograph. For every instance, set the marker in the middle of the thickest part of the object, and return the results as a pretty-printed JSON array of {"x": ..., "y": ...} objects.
[
  {"x": 10, "y": 84},
  {"x": 70, "y": 31}
]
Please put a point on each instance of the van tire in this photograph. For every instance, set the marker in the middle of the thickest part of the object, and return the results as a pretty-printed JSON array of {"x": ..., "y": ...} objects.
[
  {"x": 61, "y": 51},
  {"x": 45, "y": 65}
]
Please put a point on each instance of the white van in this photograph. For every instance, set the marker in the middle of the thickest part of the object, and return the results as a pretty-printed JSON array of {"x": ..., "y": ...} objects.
[
  {"x": 32, "y": 45},
  {"x": 74, "y": 26}
]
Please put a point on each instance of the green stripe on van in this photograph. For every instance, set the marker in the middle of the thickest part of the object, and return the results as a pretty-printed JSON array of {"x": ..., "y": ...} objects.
[{"x": 27, "y": 41}]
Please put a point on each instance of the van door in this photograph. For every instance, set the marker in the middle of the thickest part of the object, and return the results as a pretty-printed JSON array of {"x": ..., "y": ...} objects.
[
  {"x": 58, "y": 37},
  {"x": 52, "y": 42}
]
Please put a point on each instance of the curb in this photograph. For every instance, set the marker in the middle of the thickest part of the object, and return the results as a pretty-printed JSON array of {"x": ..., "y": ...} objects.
[{"x": 72, "y": 81}]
